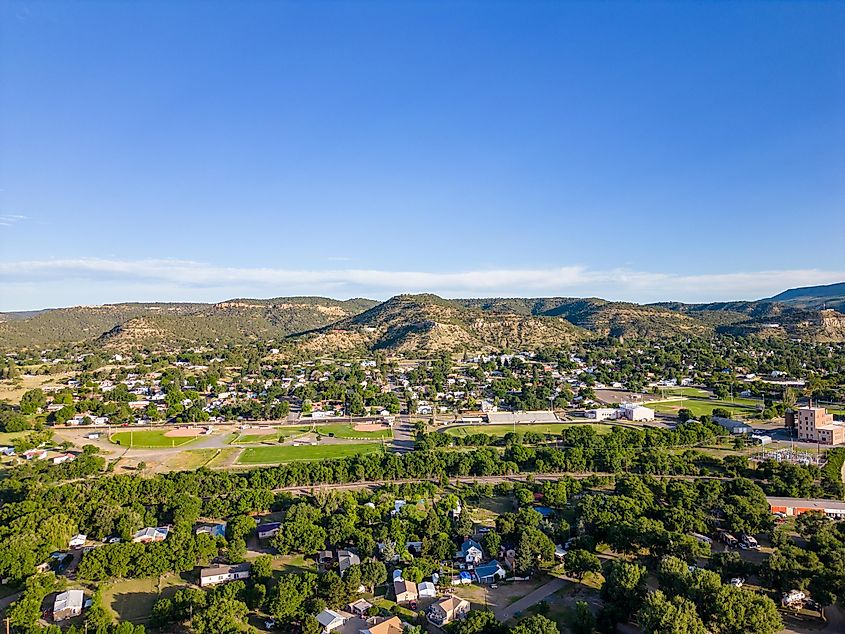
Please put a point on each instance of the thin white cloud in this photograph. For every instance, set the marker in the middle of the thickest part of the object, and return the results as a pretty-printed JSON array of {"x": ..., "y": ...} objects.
[
  {"x": 107, "y": 280},
  {"x": 7, "y": 220}
]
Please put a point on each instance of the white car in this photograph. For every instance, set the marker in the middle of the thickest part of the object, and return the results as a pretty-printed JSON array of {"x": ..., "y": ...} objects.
[{"x": 737, "y": 582}]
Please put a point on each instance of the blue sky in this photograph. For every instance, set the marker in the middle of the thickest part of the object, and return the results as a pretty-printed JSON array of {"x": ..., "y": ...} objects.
[{"x": 204, "y": 150}]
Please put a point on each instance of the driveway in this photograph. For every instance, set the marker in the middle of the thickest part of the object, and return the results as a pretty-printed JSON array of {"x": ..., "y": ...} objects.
[{"x": 508, "y": 612}]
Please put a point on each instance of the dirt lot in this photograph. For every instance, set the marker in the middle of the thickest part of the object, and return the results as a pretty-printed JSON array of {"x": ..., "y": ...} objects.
[{"x": 184, "y": 432}]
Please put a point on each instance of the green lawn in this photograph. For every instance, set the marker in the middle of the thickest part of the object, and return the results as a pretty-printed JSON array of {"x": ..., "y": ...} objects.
[
  {"x": 694, "y": 392},
  {"x": 9, "y": 437},
  {"x": 132, "y": 599},
  {"x": 268, "y": 435},
  {"x": 345, "y": 430},
  {"x": 553, "y": 429},
  {"x": 150, "y": 438},
  {"x": 702, "y": 406},
  {"x": 190, "y": 459},
  {"x": 290, "y": 453}
]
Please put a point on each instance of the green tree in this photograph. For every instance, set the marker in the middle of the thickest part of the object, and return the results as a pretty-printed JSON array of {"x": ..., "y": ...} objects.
[
  {"x": 583, "y": 620},
  {"x": 660, "y": 615},
  {"x": 578, "y": 563},
  {"x": 33, "y": 400},
  {"x": 537, "y": 624},
  {"x": 739, "y": 611}
]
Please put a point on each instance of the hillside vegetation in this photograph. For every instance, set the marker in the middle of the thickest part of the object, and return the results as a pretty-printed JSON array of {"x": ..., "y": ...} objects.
[
  {"x": 411, "y": 323},
  {"x": 417, "y": 323}
]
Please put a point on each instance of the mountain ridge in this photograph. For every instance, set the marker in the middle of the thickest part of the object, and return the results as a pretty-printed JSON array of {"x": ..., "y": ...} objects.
[{"x": 419, "y": 322}]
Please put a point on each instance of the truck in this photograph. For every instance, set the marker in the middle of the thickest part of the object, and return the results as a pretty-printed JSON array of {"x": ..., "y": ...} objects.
[{"x": 749, "y": 542}]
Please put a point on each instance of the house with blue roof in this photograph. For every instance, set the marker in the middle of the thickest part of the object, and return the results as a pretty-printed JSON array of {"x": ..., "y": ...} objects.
[
  {"x": 470, "y": 552},
  {"x": 490, "y": 572}
]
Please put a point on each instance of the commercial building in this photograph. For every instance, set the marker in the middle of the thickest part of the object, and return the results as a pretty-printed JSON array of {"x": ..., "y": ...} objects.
[
  {"x": 815, "y": 424},
  {"x": 791, "y": 507},
  {"x": 518, "y": 418},
  {"x": 735, "y": 427},
  {"x": 632, "y": 411},
  {"x": 602, "y": 413}
]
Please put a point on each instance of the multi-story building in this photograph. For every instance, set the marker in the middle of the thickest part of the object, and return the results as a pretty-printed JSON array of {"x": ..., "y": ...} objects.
[{"x": 815, "y": 424}]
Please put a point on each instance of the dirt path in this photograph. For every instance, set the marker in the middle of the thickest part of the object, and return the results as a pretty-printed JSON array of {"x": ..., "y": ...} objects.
[{"x": 546, "y": 590}]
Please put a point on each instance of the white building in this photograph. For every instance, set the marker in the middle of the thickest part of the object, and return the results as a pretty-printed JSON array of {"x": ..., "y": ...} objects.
[
  {"x": 222, "y": 574},
  {"x": 68, "y": 604},
  {"x": 330, "y": 620},
  {"x": 602, "y": 413},
  {"x": 632, "y": 411}
]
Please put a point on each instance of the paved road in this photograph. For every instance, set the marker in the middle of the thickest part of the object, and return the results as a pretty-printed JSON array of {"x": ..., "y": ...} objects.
[
  {"x": 507, "y": 612},
  {"x": 403, "y": 435}
]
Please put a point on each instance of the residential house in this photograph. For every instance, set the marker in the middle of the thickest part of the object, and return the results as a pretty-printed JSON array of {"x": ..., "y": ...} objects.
[
  {"x": 68, "y": 604},
  {"x": 215, "y": 530},
  {"x": 151, "y": 534},
  {"x": 65, "y": 457},
  {"x": 448, "y": 609},
  {"x": 389, "y": 626},
  {"x": 491, "y": 572},
  {"x": 330, "y": 620},
  {"x": 359, "y": 608},
  {"x": 77, "y": 541},
  {"x": 35, "y": 454},
  {"x": 470, "y": 552},
  {"x": 406, "y": 591},
  {"x": 268, "y": 530},
  {"x": 426, "y": 590},
  {"x": 222, "y": 574},
  {"x": 345, "y": 559}
]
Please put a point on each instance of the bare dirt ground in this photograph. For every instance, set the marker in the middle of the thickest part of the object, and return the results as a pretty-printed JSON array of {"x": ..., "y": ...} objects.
[
  {"x": 369, "y": 427},
  {"x": 184, "y": 432}
]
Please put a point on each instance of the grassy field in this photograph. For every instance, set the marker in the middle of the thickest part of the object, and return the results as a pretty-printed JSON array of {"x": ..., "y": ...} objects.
[
  {"x": 190, "y": 459},
  {"x": 223, "y": 458},
  {"x": 132, "y": 599},
  {"x": 693, "y": 392},
  {"x": 702, "y": 406},
  {"x": 344, "y": 430},
  {"x": 290, "y": 453},
  {"x": 150, "y": 438},
  {"x": 500, "y": 430},
  {"x": 277, "y": 433},
  {"x": 293, "y": 563},
  {"x": 11, "y": 390},
  {"x": 9, "y": 437}
]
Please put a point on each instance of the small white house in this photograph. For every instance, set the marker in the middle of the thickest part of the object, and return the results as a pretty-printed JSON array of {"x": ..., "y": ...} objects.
[
  {"x": 77, "y": 541},
  {"x": 68, "y": 604},
  {"x": 222, "y": 574},
  {"x": 330, "y": 620},
  {"x": 426, "y": 590}
]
